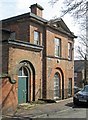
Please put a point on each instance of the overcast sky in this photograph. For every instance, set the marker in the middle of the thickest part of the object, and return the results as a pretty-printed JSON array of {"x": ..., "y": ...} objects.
[{"x": 9, "y": 8}]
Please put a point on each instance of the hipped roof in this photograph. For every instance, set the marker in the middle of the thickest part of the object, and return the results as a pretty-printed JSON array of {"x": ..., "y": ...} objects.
[{"x": 57, "y": 24}]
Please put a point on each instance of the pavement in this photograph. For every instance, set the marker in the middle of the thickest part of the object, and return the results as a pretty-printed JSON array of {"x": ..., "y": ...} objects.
[{"x": 29, "y": 111}]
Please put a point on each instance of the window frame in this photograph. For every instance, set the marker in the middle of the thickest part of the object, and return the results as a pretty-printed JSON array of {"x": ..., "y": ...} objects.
[
  {"x": 36, "y": 38},
  {"x": 69, "y": 50},
  {"x": 57, "y": 47},
  {"x": 57, "y": 86},
  {"x": 69, "y": 86}
]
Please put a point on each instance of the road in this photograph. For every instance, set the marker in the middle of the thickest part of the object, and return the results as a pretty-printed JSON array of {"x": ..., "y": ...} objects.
[
  {"x": 61, "y": 109},
  {"x": 67, "y": 113}
]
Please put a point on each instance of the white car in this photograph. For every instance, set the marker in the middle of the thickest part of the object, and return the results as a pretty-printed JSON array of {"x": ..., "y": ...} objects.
[{"x": 81, "y": 96}]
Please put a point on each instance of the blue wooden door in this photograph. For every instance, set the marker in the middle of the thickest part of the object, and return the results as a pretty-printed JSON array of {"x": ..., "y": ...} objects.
[{"x": 22, "y": 89}]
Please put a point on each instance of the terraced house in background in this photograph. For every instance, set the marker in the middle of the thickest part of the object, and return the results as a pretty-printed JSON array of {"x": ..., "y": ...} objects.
[{"x": 37, "y": 59}]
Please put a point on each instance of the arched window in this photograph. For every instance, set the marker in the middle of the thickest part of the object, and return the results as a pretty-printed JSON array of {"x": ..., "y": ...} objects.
[
  {"x": 56, "y": 86},
  {"x": 23, "y": 71}
]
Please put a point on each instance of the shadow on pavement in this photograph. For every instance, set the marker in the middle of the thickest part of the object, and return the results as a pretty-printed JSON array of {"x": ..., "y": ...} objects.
[
  {"x": 69, "y": 104},
  {"x": 81, "y": 106}
]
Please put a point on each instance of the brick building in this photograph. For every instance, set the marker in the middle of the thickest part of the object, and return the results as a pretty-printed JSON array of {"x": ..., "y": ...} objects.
[
  {"x": 38, "y": 54},
  {"x": 79, "y": 73}
]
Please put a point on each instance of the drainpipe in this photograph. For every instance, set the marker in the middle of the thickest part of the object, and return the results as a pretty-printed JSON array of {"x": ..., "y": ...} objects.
[{"x": 12, "y": 81}]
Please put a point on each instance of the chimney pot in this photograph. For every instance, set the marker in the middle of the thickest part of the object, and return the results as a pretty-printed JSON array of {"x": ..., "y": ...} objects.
[{"x": 36, "y": 9}]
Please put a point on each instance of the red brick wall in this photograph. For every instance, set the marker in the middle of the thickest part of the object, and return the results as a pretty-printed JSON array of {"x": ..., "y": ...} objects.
[
  {"x": 10, "y": 91},
  {"x": 14, "y": 55},
  {"x": 18, "y": 55},
  {"x": 5, "y": 52},
  {"x": 24, "y": 31},
  {"x": 53, "y": 62},
  {"x": 37, "y": 27},
  {"x": 9, "y": 97},
  {"x": 36, "y": 11}
]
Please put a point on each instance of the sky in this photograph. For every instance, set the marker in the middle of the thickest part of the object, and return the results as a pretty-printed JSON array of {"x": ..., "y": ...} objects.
[{"x": 10, "y": 8}]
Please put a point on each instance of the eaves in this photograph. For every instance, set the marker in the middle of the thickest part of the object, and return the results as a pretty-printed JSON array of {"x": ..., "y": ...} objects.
[
  {"x": 24, "y": 16},
  {"x": 62, "y": 31},
  {"x": 24, "y": 45}
]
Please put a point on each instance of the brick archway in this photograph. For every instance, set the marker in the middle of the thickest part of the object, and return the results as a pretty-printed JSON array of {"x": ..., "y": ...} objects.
[
  {"x": 62, "y": 81},
  {"x": 28, "y": 80}
]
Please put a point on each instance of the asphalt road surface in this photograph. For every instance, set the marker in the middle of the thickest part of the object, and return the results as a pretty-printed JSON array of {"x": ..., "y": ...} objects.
[{"x": 67, "y": 113}]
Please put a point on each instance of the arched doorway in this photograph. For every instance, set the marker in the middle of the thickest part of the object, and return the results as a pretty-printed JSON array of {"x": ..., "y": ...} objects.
[
  {"x": 23, "y": 85},
  {"x": 57, "y": 85},
  {"x": 62, "y": 80}
]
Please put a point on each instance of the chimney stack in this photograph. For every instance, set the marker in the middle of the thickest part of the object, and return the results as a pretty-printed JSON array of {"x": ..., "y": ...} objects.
[{"x": 36, "y": 9}]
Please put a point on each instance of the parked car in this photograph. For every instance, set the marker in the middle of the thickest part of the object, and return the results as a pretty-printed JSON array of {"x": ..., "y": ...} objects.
[
  {"x": 81, "y": 96},
  {"x": 76, "y": 89}
]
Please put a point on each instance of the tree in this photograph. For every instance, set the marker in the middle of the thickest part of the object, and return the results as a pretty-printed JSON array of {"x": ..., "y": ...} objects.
[
  {"x": 75, "y": 7},
  {"x": 79, "y": 10}
]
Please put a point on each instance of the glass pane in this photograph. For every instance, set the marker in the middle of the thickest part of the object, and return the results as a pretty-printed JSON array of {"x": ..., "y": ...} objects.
[
  {"x": 23, "y": 71},
  {"x": 69, "y": 50},
  {"x": 20, "y": 72},
  {"x": 70, "y": 87},
  {"x": 56, "y": 85},
  {"x": 36, "y": 37},
  {"x": 57, "y": 47}
]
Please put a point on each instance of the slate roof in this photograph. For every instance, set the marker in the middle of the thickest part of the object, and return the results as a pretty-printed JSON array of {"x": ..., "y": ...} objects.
[
  {"x": 25, "y": 15},
  {"x": 57, "y": 24}
]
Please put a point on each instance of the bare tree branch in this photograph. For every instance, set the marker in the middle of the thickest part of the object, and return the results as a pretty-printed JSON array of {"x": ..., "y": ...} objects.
[{"x": 78, "y": 9}]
